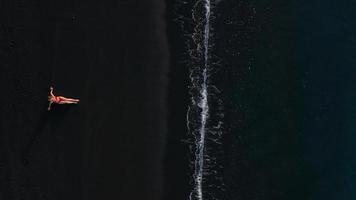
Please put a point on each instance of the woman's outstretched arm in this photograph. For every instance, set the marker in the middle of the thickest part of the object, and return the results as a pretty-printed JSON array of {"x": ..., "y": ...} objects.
[
  {"x": 51, "y": 91},
  {"x": 49, "y": 105}
]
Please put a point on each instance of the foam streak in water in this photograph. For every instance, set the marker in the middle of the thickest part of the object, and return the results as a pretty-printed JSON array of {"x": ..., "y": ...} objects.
[{"x": 203, "y": 105}]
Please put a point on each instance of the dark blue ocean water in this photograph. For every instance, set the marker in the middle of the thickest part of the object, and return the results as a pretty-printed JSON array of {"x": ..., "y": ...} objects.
[{"x": 285, "y": 72}]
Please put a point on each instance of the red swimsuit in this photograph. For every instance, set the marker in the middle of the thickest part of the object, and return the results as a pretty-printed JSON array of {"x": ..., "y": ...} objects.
[{"x": 56, "y": 99}]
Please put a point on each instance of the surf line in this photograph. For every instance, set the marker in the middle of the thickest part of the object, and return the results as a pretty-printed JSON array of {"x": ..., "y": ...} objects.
[{"x": 197, "y": 192}]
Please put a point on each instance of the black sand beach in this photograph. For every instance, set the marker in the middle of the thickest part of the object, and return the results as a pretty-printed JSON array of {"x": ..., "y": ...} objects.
[
  {"x": 113, "y": 56},
  {"x": 281, "y": 81}
]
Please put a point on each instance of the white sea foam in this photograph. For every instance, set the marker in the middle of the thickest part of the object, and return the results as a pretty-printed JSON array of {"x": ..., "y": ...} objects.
[{"x": 203, "y": 105}]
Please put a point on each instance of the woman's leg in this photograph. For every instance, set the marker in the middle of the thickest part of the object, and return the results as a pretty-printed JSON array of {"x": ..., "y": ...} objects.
[{"x": 65, "y": 100}]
